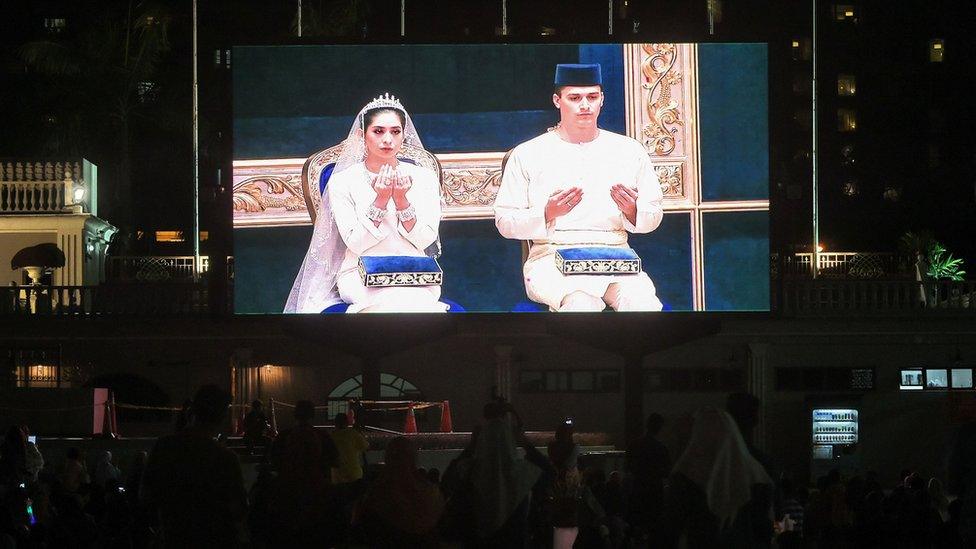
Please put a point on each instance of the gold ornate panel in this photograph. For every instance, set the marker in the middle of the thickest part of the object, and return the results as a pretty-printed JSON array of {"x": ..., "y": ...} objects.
[
  {"x": 470, "y": 184},
  {"x": 268, "y": 193},
  {"x": 660, "y": 83}
]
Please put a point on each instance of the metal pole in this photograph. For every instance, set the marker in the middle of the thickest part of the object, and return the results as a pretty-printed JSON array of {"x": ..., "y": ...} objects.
[
  {"x": 196, "y": 154},
  {"x": 403, "y": 18},
  {"x": 504, "y": 17},
  {"x": 610, "y": 18},
  {"x": 299, "y": 18},
  {"x": 815, "y": 258}
]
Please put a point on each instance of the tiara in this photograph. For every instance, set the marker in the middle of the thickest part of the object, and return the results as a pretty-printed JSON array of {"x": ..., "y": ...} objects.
[{"x": 384, "y": 101}]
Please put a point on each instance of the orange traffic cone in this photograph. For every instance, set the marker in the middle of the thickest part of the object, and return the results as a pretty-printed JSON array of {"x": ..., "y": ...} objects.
[
  {"x": 410, "y": 423},
  {"x": 447, "y": 426}
]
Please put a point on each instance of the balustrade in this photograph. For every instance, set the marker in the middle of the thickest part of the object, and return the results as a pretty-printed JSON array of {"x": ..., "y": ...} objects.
[{"x": 38, "y": 187}]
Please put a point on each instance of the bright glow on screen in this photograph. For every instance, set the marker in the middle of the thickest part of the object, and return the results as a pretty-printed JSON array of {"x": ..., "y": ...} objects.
[
  {"x": 647, "y": 193},
  {"x": 911, "y": 380}
]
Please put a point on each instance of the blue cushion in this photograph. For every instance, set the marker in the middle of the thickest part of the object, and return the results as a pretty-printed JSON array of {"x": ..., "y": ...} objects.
[
  {"x": 597, "y": 260},
  {"x": 399, "y": 264},
  {"x": 399, "y": 270},
  {"x": 337, "y": 308},
  {"x": 596, "y": 252}
]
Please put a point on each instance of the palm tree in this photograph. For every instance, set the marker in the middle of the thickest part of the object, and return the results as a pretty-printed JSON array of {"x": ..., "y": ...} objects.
[{"x": 98, "y": 78}]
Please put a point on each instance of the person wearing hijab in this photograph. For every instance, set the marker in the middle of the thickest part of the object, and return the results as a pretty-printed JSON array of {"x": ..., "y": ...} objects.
[
  {"x": 374, "y": 205},
  {"x": 401, "y": 508},
  {"x": 712, "y": 497},
  {"x": 502, "y": 481}
]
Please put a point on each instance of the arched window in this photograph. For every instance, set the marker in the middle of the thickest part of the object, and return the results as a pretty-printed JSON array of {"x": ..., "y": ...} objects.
[{"x": 391, "y": 387}]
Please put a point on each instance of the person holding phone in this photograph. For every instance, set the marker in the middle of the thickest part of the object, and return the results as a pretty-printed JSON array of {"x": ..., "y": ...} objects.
[{"x": 34, "y": 460}]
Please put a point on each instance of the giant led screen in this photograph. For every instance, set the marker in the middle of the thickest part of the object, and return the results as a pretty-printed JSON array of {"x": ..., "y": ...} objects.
[{"x": 499, "y": 178}]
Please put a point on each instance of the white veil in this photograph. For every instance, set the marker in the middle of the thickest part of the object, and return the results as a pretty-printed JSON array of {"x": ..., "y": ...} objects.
[
  {"x": 315, "y": 286},
  {"x": 719, "y": 462}
]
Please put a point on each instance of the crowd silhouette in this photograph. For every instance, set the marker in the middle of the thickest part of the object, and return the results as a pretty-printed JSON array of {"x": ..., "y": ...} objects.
[{"x": 314, "y": 488}]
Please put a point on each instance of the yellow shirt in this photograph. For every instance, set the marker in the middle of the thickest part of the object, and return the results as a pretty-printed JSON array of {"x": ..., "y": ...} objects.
[{"x": 351, "y": 444}]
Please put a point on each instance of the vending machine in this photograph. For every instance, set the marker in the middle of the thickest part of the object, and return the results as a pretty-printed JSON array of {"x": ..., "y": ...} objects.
[{"x": 834, "y": 432}]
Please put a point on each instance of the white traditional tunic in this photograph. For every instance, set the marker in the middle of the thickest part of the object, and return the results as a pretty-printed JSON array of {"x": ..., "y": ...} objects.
[
  {"x": 546, "y": 164},
  {"x": 351, "y": 195}
]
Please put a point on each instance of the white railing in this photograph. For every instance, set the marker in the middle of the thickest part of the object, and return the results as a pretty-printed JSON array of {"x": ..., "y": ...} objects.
[
  {"x": 39, "y": 187},
  {"x": 875, "y": 297},
  {"x": 863, "y": 265},
  {"x": 152, "y": 268}
]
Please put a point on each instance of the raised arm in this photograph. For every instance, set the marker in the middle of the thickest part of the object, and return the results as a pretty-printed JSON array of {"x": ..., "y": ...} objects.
[
  {"x": 424, "y": 196},
  {"x": 357, "y": 230}
]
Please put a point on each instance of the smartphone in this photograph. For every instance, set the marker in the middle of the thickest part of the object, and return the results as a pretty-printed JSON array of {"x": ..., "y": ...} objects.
[{"x": 32, "y": 439}]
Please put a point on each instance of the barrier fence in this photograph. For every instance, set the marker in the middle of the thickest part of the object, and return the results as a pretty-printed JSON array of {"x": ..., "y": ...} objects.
[{"x": 110, "y": 407}]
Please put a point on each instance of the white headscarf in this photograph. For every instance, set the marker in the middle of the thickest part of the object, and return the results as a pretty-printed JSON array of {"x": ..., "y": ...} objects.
[
  {"x": 315, "y": 286},
  {"x": 501, "y": 479},
  {"x": 719, "y": 462}
]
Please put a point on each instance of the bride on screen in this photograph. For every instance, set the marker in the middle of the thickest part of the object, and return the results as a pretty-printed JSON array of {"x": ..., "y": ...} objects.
[{"x": 373, "y": 205}]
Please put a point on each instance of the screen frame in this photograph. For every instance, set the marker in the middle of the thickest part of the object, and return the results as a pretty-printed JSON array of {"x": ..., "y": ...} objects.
[{"x": 222, "y": 62}]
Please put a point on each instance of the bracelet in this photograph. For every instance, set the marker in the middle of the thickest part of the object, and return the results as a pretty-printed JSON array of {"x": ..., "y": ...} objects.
[
  {"x": 374, "y": 213},
  {"x": 407, "y": 214}
]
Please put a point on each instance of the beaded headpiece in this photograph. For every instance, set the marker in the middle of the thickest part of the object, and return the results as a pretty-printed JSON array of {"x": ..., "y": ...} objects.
[{"x": 386, "y": 101}]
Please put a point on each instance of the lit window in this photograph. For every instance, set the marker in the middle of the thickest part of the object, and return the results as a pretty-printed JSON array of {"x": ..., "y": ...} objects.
[
  {"x": 38, "y": 375},
  {"x": 147, "y": 91},
  {"x": 55, "y": 24},
  {"x": 962, "y": 378},
  {"x": 204, "y": 235},
  {"x": 850, "y": 187},
  {"x": 936, "y": 50},
  {"x": 801, "y": 49},
  {"x": 846, "y": 84},
  {"x": 936, "y": 379},
  {"x": 845, "y": 12},
  {"x": 911, "y": 380},
  {"x": 169, "y": 236},
  {"x": 846, "y": 120}
]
